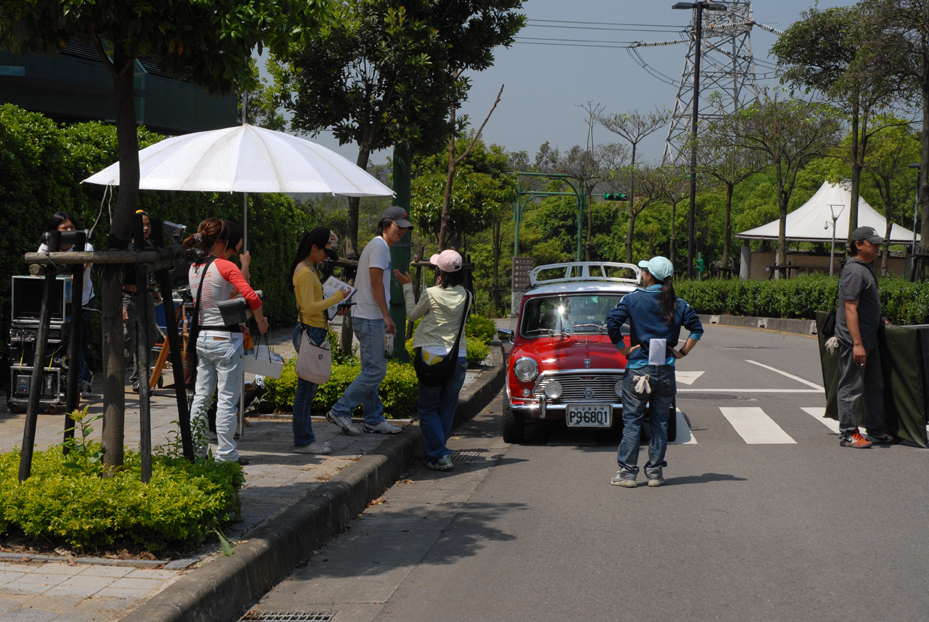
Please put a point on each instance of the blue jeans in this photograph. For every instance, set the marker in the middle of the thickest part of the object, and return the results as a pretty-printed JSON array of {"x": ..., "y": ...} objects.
[
  {"x": 437, "y": 406},
  {"x": 663, "y": 385},
  {"x": 364, "y": 389},
  {"x": 215, "y": 369},
  {"x": 306, "y": 390}
]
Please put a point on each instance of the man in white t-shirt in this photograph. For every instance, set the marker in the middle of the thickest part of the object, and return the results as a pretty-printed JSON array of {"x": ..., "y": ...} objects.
[{"x": 372, "y": 323}]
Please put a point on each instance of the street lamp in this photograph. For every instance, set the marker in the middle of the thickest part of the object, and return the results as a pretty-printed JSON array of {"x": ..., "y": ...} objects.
[
  {"x": 835, "y": 217},
  {"x": 699, "y": 7}
]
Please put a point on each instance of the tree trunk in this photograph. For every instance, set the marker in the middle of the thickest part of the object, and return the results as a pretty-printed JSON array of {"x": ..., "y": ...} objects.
[
  {"x": 114, "y": 363},
  {"x": 856, "y": 172},
  {"x": 924, "y": 157},
  {"x": 673, "y": 230},
  {"x": 631, "y": 227},
  {"x": 727, "y": 227}
]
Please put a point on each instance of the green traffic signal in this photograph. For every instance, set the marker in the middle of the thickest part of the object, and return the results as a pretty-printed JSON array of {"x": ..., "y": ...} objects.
[{"x": 615, "y": 196}]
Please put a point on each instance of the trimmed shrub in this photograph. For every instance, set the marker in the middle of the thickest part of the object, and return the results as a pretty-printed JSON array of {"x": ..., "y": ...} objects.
[
  {"x": 179, "y": 508},
  {"x": 398, "y": 389},
  {"x": 902, "y": 302}
]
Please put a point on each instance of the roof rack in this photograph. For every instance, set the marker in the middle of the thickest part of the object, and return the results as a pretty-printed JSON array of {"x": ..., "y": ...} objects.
[{"x": 574, "y": 271}]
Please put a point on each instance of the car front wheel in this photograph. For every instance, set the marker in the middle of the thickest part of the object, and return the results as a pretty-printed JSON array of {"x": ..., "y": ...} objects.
[{"x": 514, "y": 427}]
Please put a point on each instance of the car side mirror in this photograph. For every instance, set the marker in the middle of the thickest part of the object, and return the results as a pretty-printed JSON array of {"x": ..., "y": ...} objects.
[{"x": 507, "y": 333}]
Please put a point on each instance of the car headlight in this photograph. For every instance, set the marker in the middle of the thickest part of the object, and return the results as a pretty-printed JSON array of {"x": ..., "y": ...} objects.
[
  {"x": 525, "y": 369},
  {"x": 553, "y": 390}
]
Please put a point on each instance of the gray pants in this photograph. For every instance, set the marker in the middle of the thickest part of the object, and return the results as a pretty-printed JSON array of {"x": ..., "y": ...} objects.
[{"x": 866, "y": 383}]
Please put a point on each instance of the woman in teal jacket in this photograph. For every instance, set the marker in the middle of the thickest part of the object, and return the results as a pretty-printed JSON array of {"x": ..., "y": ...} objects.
[{"x": 655, "y": 315}]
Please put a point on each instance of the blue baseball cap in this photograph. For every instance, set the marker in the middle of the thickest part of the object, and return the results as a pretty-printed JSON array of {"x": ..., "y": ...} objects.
[{"x": 658, "y": 267}]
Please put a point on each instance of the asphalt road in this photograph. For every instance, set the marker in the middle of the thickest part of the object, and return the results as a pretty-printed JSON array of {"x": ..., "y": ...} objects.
[{"x": 764, "y": 517}]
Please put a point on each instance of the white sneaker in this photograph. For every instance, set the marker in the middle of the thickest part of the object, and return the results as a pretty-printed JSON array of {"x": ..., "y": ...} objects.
[
  {"x": 315, "y": 447},
  {"x": 382, "y": 428},
  {"x": 343, "y": 423},
  {"x": 86, "y": 389}
]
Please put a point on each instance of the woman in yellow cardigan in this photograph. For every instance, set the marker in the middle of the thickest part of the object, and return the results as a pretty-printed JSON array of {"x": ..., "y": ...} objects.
[{"x": 315, "y": 247}]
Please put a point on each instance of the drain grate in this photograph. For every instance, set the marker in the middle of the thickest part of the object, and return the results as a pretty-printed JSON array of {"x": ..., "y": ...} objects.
[
  {"x": 467, "y": 457},
  {"x": 290, "y": 616}
]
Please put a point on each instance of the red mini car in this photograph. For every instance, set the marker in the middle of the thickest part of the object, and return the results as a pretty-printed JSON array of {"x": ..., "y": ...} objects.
[{"x": 563, "y": 365}]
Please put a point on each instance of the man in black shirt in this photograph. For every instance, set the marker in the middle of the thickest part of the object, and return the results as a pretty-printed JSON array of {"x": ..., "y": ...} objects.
[{"x": 857, "y": 320}]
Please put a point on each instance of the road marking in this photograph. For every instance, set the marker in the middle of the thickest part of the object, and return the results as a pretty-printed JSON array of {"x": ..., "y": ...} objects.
[
  {"x": 784, "y": 373},
  {"x": 819, "y": 412},
  {"x": 684, "y": 435},
  {"x": 749, "y": 390},
  {"x": 755, "y": 427},
  {"x": 687, "y": 377}
]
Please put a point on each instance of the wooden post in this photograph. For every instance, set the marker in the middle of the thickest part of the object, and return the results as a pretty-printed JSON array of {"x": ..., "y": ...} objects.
[
  {"x": 174, "y": 347},
  {"x": 74, "y": 347},
  {"x": 35, "y": 384}
]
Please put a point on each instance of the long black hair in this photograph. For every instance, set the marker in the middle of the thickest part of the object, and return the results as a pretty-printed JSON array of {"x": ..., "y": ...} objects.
[
  {"x": 318, "y": 237},
  {"x": 667, "y": 300},
  {"x": 58, "y": 218}
]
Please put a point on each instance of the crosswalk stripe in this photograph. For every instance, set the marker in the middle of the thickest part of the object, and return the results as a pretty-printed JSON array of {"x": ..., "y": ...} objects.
[
  {"x": 684, "y": 435},
  {"x": 818, "y": 412},
  {"x": 755, "y": 427},
  {"x": 784, "y": 373}
]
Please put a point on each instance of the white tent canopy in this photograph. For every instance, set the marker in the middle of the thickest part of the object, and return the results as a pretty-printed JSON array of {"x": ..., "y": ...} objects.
[{"x": 812, "y": 222}]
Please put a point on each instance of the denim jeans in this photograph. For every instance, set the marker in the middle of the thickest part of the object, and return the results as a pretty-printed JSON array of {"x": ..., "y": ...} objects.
[
  {"x": 437, "y": 406},
  {"x": 663, "y": 388},
  {"x": 364, "y": 389},
  {"x": 306, "y": 390},
  {"x": 217, "y": 372}
]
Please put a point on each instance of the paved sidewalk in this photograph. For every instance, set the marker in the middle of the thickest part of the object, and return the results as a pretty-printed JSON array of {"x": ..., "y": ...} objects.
[{"x": 291, "y": 504}]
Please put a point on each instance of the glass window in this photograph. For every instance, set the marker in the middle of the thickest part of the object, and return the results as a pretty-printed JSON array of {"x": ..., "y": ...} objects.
[{"x": 585, "y": 313}]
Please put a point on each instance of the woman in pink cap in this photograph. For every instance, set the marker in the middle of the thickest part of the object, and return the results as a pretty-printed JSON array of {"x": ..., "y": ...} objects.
[{"x": 442, "y": 309}]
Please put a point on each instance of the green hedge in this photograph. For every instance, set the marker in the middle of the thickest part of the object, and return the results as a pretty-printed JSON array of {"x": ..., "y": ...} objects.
[
  {"x": 180, "y": 506},
  {"x": 901, "y": 301},
  {"x": 398, "y": 389},
  {"x": 41, "y": 168}
]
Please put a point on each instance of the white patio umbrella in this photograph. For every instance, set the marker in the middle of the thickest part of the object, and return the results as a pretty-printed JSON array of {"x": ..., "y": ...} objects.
[{"x": 246, "y": 158}]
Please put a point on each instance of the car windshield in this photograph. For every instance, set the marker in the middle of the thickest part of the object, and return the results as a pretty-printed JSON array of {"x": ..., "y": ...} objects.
[{"x": 583, "y": 313}]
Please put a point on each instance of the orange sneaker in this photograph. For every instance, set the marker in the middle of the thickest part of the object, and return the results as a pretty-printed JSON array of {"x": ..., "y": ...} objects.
[{"x": 855, "y": 439}]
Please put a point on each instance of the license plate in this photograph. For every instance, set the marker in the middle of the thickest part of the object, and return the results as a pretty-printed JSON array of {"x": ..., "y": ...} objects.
[{"x": 589, "y": 415}]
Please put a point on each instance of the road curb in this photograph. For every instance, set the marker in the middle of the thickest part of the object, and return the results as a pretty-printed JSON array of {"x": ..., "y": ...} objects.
[
  {"x": 225, "y": 587},
  {"x": 780, "y": 325}
]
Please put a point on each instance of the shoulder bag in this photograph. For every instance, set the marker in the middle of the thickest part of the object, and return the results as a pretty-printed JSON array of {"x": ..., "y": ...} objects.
[
  {"x": 193, "y": 331},
  {"x": 314, "y": 362},
  {"x": 438, "y": 373}
]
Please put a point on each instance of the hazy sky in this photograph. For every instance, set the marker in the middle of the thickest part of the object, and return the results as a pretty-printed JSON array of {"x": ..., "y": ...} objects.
[{"x": 546, "y": 83}]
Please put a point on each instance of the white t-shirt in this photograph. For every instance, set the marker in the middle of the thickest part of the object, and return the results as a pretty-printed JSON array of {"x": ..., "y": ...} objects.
[
  {"x": 88, "y": 292},
  {"x": 375, "y": 255}
]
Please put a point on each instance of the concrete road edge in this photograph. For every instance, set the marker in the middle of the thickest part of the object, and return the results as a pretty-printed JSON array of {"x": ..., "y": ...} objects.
[{"x": 226, "y": 586}]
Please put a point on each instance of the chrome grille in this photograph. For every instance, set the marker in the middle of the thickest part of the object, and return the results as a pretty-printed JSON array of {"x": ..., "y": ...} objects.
[{"x": 575, "y": 385}]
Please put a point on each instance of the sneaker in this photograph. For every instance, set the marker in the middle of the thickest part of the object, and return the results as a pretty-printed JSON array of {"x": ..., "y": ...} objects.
[
  {"x": 626, "y": 480},
  {"x": 135, "y": 386},
  {"x": 86, "y": 389},
  {"x": 855, "y": 439},
  {"x": 655, "y": 477},
  {"x": 445, "y": 464},
  {"x": 343, "y": 424},
  {"x": 881, "y": 439},
  {"x": 314, "y": 448},
  {"x": 242, "y": 461},
  {"x": 382, "y": 428}
]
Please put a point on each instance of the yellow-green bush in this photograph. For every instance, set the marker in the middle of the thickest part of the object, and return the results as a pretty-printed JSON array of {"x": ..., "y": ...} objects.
[
  {"x": 178, "y": 508},
  {"x": 398, "y": 389}
]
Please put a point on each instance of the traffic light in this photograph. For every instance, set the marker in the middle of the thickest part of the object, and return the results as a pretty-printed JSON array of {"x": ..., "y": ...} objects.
[{"x": 615, "y": 196}]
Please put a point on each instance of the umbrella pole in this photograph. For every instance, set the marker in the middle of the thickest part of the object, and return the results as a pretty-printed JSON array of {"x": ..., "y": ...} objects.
[{"x": 244, "y": 221}]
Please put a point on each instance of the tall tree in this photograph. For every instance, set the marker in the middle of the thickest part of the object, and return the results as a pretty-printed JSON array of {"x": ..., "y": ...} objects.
[
  {"x": 890, "y": 155},
  {"x": 207, "y": 43},
  {"x": 718, "y": 157},
  {"x": 827, "y": 51},
  {"x": 634, "y": 127},
  {"x": 900, "y": 51},
  {"x": 383, "y": 73},
  {"x": 786, "y": 134}
]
